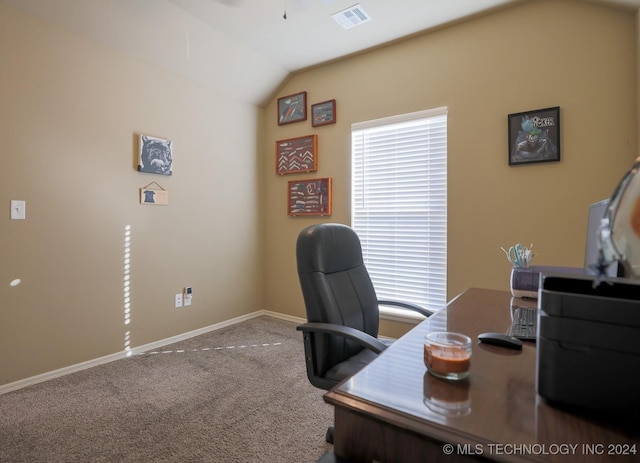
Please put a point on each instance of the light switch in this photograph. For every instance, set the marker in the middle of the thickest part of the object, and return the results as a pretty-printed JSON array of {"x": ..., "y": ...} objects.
[{"x": 18, "y": 210}]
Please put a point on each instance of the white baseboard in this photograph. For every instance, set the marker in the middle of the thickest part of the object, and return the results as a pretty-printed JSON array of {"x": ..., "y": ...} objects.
[
  {"x": 140, "y": 349},
  {"x": 281, "y": 316}
]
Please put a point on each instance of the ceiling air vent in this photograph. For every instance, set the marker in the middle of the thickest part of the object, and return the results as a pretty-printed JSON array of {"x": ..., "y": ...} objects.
[{"x": 352, "y": 16}]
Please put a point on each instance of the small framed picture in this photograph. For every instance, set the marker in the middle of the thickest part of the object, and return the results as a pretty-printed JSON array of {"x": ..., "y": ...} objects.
[
  {"x": 150, "y": 195},
  {"x": 534, "y": 136},
  {"x": 323, "y": 113},
  {"x": 309, "y": 197},
  {"x": 155, "y": 155},
  {"x": 292, "y": 108},
  {"x": 296, "y": 155}
]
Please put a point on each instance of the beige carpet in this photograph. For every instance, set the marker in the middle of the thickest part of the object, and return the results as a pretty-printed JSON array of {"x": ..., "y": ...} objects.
[{"x": 239, "y": 394}]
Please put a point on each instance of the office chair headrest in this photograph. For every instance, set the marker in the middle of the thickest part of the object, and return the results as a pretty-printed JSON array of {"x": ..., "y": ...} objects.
[{"x": 328, "y": 248}]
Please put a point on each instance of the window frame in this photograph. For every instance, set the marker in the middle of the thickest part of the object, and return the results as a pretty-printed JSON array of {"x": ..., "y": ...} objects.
[{"x": 386, "y": 312}]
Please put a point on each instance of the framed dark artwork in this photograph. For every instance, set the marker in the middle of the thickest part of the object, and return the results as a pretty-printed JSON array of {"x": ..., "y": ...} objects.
[
  {"x": 292, "y": 108},
  {"x": 297, "y": 155},
  {"x": 155, "y": 155},
  {"x": 309, "y": 197},
  {"x": 534, "y": 136},
  {"x": 323, "y": 113}
]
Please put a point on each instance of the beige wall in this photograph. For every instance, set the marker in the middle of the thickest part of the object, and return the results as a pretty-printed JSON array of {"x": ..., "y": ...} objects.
[
  {"x": 70, "y": 109},
  {"x": 540, "y": 54}
]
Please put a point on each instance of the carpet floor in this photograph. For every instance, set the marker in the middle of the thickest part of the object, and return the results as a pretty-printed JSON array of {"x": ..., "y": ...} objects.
[{"x": 238, "y": 394}]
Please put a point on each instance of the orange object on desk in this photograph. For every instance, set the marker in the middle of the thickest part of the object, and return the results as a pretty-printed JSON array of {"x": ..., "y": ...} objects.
[{"x": 446, "y": 359}]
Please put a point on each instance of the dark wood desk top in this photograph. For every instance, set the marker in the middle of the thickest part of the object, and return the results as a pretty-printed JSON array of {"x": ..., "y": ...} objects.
[{"x": 496, "y": 411}]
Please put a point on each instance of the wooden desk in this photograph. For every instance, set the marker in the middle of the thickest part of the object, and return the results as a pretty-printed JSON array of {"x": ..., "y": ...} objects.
[{"x": 394, "y": 411}]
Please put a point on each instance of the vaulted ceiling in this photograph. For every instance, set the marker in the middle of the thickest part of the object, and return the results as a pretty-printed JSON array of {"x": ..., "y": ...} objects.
[{"x": 249, "y": 47}]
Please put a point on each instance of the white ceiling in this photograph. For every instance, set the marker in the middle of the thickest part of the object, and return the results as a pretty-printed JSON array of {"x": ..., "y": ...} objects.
[
  {"x": 310, "y": 36},
  {"x": 246, "y": 48}
]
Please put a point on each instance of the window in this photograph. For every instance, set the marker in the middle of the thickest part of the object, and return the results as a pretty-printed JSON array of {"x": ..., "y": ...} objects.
[{"x": 399, "y": 205}]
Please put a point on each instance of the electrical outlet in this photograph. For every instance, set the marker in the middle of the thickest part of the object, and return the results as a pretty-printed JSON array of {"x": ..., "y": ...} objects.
[
  {"x": 178, "y": 300},
  {"x": 188, "y": 292}
]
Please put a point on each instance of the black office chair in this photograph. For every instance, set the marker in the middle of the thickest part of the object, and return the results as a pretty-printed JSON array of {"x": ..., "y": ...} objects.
[{"x": 340, "y": 336}]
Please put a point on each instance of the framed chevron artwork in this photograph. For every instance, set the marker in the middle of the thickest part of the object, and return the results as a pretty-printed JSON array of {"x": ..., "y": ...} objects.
[{"x": 296, "y": 155}]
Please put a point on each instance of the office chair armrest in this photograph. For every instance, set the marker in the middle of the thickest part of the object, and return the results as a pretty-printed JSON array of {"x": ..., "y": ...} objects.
[
  {"x": 362, "y": 338},
  {"x": 406, "y": 305}
]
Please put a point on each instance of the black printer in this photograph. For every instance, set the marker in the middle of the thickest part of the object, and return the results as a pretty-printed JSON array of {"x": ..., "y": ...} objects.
[{"x": 588, "y": 352}]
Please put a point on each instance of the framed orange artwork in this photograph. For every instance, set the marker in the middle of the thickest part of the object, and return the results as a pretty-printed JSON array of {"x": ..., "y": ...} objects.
[
  {"x": 309, "y": 197},
  {"x": 292, "y": 108},
  {"x": 297, "y": 155}
]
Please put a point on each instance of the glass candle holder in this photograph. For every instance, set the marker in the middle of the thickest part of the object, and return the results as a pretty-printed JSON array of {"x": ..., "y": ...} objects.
[{"x": 447, "y": 355}]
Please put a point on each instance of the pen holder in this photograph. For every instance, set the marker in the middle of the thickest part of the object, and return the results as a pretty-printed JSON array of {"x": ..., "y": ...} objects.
[{"x": 524, "y": 282}]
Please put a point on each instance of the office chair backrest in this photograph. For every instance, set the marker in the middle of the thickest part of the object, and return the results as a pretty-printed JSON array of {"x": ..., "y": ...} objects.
[{"x": 336, "y": 288}]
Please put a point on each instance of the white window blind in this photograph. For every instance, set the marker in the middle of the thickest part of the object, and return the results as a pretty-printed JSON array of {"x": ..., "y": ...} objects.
[{"x": 399, "y": 204}]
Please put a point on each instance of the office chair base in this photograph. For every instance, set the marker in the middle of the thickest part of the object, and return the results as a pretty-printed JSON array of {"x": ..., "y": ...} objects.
[
  {"x": 330, "y": 457},
  {"x": 329, "y": 436}
]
